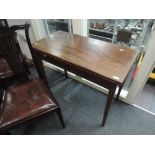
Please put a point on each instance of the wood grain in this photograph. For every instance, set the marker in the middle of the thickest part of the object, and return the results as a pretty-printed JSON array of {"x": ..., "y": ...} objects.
[{"x": 105, "y": 59}]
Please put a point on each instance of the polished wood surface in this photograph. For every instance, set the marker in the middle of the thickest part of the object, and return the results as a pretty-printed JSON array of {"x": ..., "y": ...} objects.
[{"x": 110, "y": 61}]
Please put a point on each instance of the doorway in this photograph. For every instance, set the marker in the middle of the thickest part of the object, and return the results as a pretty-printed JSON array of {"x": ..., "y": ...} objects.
[
  {"x": 53, "y": 25},
  {"x": 146, "y": 98}
]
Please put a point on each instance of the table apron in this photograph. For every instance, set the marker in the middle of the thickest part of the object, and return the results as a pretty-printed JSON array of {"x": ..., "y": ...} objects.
[{"x": 78, "y": 71}]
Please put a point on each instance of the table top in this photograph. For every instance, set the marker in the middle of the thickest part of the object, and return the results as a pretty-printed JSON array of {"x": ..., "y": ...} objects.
[{"x": 105, "y": 59}]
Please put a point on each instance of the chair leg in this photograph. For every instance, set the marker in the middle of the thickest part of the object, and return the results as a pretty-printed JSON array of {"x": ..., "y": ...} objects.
[{"x": 58, "y": 111}]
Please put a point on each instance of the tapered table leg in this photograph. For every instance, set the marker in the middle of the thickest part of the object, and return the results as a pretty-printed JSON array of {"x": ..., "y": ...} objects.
[
  {"x": 108, "y": 104},
  {"x": 119, "y": 91},
  {"x": 40, "y": 68},
  {"x": 66, "y": 75}
]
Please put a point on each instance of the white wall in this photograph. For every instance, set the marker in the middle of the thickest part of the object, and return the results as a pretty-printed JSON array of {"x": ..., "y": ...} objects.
[
  {"x": 144, "y": 70},
  {"x": 80, "y": 26},
  {"x": 39, "y": 28}
]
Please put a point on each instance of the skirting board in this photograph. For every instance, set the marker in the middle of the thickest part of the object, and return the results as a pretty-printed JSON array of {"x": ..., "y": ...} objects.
[{"x": 123, "y": 93}]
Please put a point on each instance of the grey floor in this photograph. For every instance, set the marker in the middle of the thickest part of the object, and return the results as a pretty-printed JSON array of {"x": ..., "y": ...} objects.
[
  {"x": 82, "y": 109},
  {"x": 146, "y": 99}
]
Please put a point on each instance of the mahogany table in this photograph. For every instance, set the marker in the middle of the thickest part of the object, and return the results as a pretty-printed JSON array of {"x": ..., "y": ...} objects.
[{"x": 103, "y": 63}]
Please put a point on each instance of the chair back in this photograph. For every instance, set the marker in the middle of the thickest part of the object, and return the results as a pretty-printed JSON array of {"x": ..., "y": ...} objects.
[
  {"x": 12, "y": 52},
  {"x": 25, "y": 27},
  {"x": 3, "y": 23}
]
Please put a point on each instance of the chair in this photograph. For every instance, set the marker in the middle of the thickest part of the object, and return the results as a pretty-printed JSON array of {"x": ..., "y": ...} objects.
[
  {"x": 29, "y": 99},
  {"x": 5, "y": 70}
]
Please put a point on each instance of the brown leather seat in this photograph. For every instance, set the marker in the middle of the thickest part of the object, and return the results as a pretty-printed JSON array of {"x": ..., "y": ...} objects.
[
  {"x": 5, "y": 70},
  {"x": 28, "y": 100},
  {"x": 25, "y": 101}
]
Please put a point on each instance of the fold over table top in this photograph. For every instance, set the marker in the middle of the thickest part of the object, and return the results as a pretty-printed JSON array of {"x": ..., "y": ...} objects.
[{"x": 105, "y": 59}]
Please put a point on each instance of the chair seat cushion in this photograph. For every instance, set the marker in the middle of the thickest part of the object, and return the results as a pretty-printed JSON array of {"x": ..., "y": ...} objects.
[
  {"x": 25, "y": 101},
  {"x": 5, "y": 70}
]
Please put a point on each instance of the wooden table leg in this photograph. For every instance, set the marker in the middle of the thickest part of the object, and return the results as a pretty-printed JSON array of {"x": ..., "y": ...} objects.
[
  {"x": 108, "y": 103},
  {"x": 66, "y": 76},
  {"x": 40, "y": 68},
  {"x": 119, "y": 91}
]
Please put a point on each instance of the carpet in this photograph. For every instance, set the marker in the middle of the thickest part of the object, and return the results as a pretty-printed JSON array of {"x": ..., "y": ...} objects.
[{"x": 82, "y": 108}]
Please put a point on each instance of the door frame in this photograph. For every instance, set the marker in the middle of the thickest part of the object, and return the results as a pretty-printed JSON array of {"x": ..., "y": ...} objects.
[{"x": 144, "y": 71}]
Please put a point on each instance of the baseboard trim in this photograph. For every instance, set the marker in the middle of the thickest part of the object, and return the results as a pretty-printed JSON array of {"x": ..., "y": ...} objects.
[{"x": 123, "y": 93}]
